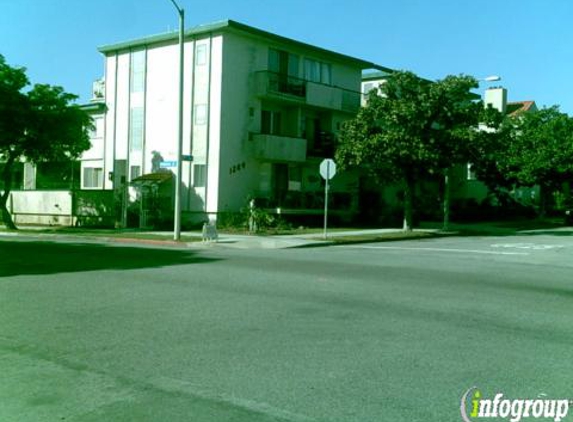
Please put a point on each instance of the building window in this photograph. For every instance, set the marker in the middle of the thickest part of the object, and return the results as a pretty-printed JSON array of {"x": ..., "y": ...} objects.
[
  {"x": 136, "y": 129},
  {"x": 138, "y": 71},
  {"x": 134, "y": 172},
  {"x": 316, "y": 71},
  {"x": 326, "y": 73},
  {"x": 274, "y": 60},
  {"x": 201, "y": 114},
  {"x": 311, "y": 70},
  {"x": 367, "y": 87},
  {"x": 199, "y": 175},
  {"x": 271, "y": 122},
  {"x": 284, "y": 69},
  {"x": 283, "y": 62},
  {"x": 201, "y": 54},
  {"x": 97, "y": 131},
  {"x": 294, "y": 178},
  {"x": 93, "y": 178}
]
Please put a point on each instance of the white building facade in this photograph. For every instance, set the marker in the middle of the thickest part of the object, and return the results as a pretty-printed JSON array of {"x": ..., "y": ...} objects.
[{"x": 260, "y": 113}]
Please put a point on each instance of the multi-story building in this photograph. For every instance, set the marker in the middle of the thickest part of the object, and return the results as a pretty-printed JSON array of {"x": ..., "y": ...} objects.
[
  {"x": 372, "y": 80},
  {"x": 465, "y": 185},
  {"x": 260, "y": 113}
]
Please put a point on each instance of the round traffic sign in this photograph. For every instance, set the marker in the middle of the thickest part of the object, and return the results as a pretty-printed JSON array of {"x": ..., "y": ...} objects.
[{"x": 327, "y": 168}]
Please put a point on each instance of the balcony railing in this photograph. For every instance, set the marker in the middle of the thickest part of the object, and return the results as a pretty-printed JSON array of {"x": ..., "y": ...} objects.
[
  {"x": 279, "y": 148},
  {"x": 284, "y": 84},
  {"x": 289, "y": 88}
]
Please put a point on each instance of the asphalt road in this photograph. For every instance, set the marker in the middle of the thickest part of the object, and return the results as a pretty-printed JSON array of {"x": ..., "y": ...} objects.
[{"x": 393, "y": 331}]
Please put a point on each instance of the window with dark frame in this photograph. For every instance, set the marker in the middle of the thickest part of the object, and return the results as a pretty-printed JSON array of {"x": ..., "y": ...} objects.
[
  {"x": 134, "y": 172},
  {"x": 199, "y": 175},
  {"x": 93, "y": 178},
  {"x": 271, "y": 122}
]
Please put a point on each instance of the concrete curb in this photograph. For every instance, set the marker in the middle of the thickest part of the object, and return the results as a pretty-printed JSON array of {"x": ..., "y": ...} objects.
[{"x": 231, "y": 241}]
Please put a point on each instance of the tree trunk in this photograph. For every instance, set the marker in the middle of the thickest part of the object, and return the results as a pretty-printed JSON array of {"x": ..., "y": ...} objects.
[
  {"x": 7, "y": 179},
  {"x": 542, "y": 201},
  {"x": 446, "y": 226},
  {"x": 408, "y": 203},
  {"x": 566, "y": 186}
]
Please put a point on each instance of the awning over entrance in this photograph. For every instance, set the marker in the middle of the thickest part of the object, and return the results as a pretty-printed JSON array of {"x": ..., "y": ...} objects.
[{"x": 151, "y": 179}]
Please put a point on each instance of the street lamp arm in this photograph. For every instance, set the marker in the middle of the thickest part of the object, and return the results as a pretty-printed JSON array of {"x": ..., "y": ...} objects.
[
  {"x": 492, "y": 78},
  {"x": 179, "y": 9}
]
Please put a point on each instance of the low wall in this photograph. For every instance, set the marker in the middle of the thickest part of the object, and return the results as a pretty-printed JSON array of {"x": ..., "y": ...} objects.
[
  {"x": 62, "y": 208},
  {"x": 41, "y": 207}
]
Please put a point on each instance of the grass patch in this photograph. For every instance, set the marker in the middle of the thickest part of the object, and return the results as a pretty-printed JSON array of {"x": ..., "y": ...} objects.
[{"x": 386, "y": 237}]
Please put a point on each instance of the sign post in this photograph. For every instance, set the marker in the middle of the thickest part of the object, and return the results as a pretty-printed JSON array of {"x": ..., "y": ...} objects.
[{"x": 327, "y": 171}]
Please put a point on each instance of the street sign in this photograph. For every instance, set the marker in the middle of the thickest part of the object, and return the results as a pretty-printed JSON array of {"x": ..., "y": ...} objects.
[
  {"x": 327, "y": 168},
  {"x": 167, "y": 164},
  {"x": 327, "y": 171},
  {"x": 186, "y": 157}
]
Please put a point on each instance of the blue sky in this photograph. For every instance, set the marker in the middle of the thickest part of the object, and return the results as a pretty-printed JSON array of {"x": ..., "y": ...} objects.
[{"x": 526, "y": 42}]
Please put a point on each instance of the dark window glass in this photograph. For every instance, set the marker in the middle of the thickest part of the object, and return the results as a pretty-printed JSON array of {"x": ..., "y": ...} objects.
[{"x": 199, "y": 175}]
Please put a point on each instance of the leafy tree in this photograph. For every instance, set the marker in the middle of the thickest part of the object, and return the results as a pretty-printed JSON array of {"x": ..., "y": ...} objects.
[
  {"x": 37, "y": 124},
  {"x": 532, "y": 148},
  {"x": 412, "y": 129},
  {"x": 540, "y": 151}
]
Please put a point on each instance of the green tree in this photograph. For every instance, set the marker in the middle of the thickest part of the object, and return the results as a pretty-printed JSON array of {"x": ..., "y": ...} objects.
[
  {"x": 411, "y": 129},
  {"x": 37, "y": 124},
  {"x": 540, "y": 151},
  {"x": 489, "y": 150}
]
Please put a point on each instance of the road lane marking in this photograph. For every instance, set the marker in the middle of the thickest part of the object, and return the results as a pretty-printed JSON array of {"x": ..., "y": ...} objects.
[
  {"x": 533, "y": 246},
  {"x": 474, "y": 251}
]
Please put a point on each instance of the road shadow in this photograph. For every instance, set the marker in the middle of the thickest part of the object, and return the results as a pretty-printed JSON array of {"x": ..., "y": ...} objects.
[{"x": 42, "y": 257}]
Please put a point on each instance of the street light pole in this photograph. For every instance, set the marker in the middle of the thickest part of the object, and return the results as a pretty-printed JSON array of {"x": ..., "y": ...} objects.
[
  {"x": 446, "y": 204},
  {"x": 178, "y": 184}
]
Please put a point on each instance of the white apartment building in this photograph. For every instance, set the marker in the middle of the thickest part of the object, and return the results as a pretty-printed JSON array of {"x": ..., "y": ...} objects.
[
  {"x": 372, "y": 80},
  {"x": 260, "y": 113}
]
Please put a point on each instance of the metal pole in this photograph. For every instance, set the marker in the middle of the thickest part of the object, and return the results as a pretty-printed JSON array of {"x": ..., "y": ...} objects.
[
  {"x": 326, "y": 198},
  {"x": 446, "y": 204},
  {"x": 178, "y": 184}
]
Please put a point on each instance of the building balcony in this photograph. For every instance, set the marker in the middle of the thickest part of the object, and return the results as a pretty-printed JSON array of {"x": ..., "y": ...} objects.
[
  {"x": 322, "y": 145},
  {"x": 287, "y": 88},
  {"x": 279, "y": 148}
]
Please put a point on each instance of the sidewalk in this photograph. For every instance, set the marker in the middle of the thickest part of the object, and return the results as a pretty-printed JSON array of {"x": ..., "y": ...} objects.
[
  {"x": 192, "y": 239},
  {"x": 225, "y": 240},
  {"x": 246, "y": 241}
]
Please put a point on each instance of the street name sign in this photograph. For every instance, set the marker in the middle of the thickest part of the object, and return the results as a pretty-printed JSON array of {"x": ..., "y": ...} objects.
[{"x": 167, "y": 164}]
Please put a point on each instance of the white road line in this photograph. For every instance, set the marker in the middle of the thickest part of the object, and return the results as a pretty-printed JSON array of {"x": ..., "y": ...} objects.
[
  {"x": 474, "y": 251},
  {"x": 533, "y": 246}
]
